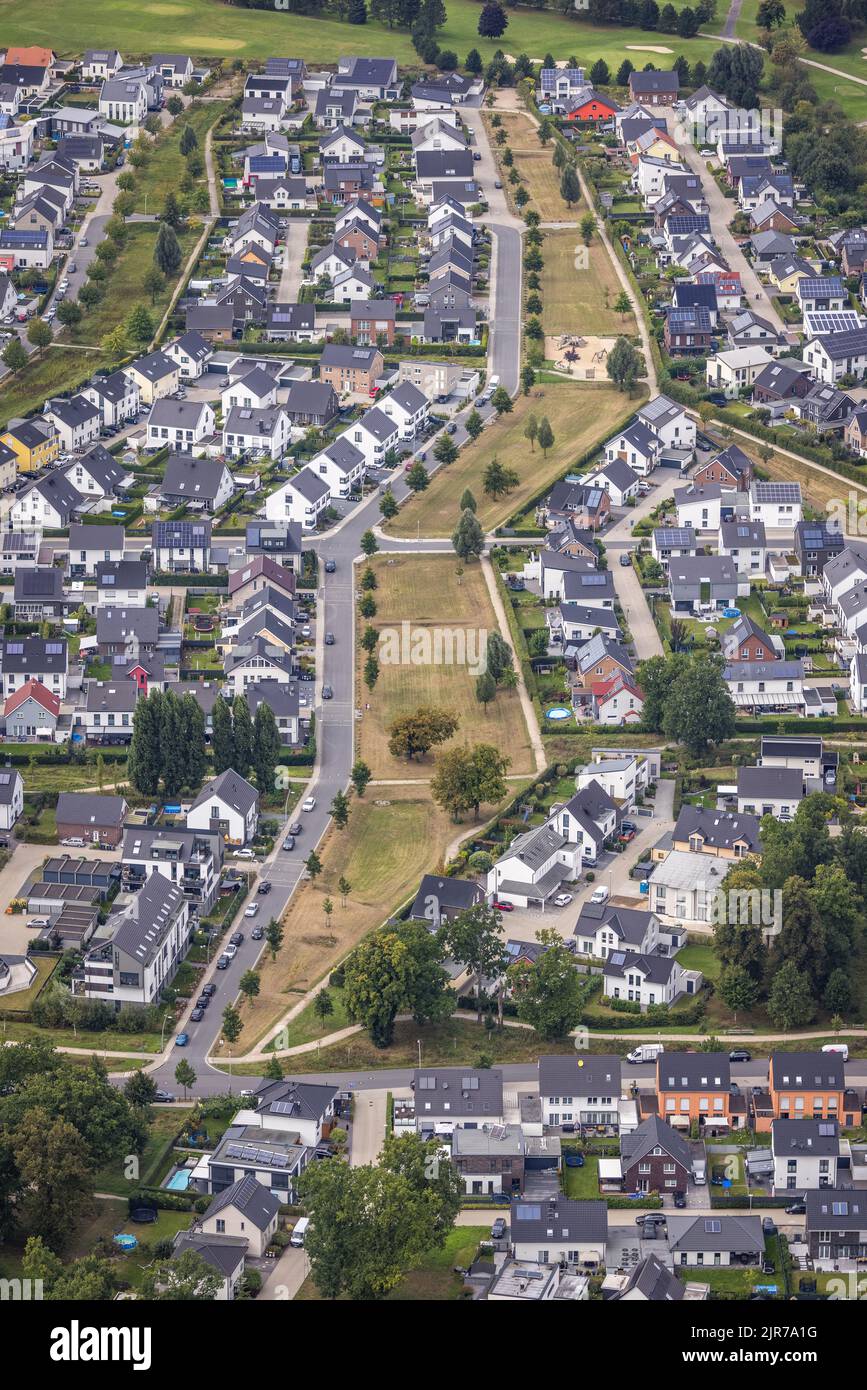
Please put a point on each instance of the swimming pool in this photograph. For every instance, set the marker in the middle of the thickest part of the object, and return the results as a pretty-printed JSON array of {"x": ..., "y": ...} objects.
[{"x": 179, "y": 1181}]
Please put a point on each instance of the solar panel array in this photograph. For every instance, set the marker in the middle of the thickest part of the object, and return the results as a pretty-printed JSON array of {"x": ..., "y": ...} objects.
[
  {"x": 831, "y": 321},
  {"x": 778, "y": 492},
  {"x": 248, "y": 1153}
]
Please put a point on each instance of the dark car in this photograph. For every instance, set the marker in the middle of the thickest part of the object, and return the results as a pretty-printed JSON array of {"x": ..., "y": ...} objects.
[
  {"x": 797, "y": 1208},
  {"x": 769, "y": 1226},
  {"x": 197, "y": 1015},
  {"x": 223, "y": 963},
  {"x": 327, "y": 692},
  {"x": 329, "y": 639},
  {"x": 498, "y": 1229},
  {"x": 625, "y": 560},
  {"x": 295, "y": 828},
  {"x": 265, "y": 886},
  {"x": 209, "y": 990},
  {"x": 203, "y": 1001},
  {"x": 164, "y": 1097},
  {"x": 289, "y": 842},
  {"x": 680, "y": 1199},
  {"x": 236, "y": 939},
  {"x": 330, "y": 566},
  {"x": 651, "y": 1222},
  {"x": 740, "y": 1054},
  {"x": 256, "y": 934}
]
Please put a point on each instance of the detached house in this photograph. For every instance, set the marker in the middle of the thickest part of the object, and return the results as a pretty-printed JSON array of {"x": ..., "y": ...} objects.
[
  {"x": 229, "y": 805},
  {"x": 205, "y": 482}
]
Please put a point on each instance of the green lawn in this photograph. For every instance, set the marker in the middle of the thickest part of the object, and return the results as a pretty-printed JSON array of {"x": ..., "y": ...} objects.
[
  {"x": 209, "y": 28},
  {"x": 699, "y": 955},
  {"x": 582, "y": 1182},
  {"x": 166, "y": 1123}
]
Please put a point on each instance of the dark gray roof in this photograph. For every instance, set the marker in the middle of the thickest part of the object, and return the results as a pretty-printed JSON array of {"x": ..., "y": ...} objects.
[
  {"x": 257, "y": 1203},
  {"x": 223, "y": 1253},
  {"x": 147, "y": 919},
  {"x": 719, "y": 829},
  {"x": 120, "y": 624},
  {"x": 805, "y": 1138},
  {"x": 33, "y": 655},
  {"x": 232, "y": 788},
  {"x": 629, "y": 924},
  {"x": 588, "y": 1074},
  {"x": 807, "y": 1071},
  {"x": 302, "y": 1100},
  {"x": 112, "y": 696},
  {"x": 654, "y": 1281},
  {"x": 458, "y": 1093},
  {"x": 90, "y": 808},
  {"x": 563, "y": 1218},
  {"x": 693, "y": 1071},
  {"x": 651, "y": 1133},
  {"x": 771, "y": 781},
  {"x": 739, "y": 1234},
  {"x": 836, "y": 1208},
  {"x": 196, "y": 478},
  {"x": 309, "y": 485},
  {"x": 451, "y": 895}
]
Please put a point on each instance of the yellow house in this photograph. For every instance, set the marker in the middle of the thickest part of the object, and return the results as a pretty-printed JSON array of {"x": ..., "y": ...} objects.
[
  {"x": 787, "y": 275},
  {"x": 155, "y": 376},
  {"x": 33, "y": 443}
]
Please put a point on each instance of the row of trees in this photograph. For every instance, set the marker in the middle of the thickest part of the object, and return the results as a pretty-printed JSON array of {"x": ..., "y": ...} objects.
[
  {"x": 245, "y": 744},
  {"x": 168, "y": 747}
]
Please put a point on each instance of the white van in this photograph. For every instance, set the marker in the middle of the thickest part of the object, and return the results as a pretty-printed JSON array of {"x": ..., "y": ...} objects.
[
  {"x": 646, "y": 1052},
  {"x": 842, "y": 1048},
  {"x": 299, "y": 1231}
]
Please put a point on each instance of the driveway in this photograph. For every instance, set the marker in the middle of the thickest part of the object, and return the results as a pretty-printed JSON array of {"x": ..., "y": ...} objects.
[
  {"x": 293, "y": 255},
  {"x": 14, "y": 933},
  {"x": 286, "y": 1276},
  {"x": 368, "y": 1127},
  {"x": 721, "y": 211}
]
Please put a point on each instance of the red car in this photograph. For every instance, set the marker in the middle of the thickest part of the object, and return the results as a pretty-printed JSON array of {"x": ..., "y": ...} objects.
[
  {"x": 625, "y": 836},
  {"x": 504, "y": 907}
]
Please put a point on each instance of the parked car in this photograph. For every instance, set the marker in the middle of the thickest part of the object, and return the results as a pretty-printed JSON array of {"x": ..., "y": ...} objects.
[
  {"x": 265, "y": 886},
  {"x": 769, "y": 1226},
  {"x": 197, "y": 1015},
  {"x": 237, "y": 938},
  {"x": 327, "y": 692},
  {"x": 503, "y": 906},
  {"x": 223, "y": 962},
  {"x": 210, "y": 990},
  {"x": 256, "y": 934},
  {"x": 680, "y": 1199},
  {"x": 182, "y": 1040},
  {"x": 563, "y": 900},
  {"x": 740, "y": 1054},
  {"x": 797, "y": 1208},
  {"x": 651, "y": 1222},
  {"x": 244, "y": 854},
  {"x": 203, "y": 1001},
  {"x": 599, "y": 895},
  {"x": 308, "y": 803},
  {"x": 230, "y": 953},
  {"x": 164, "y": 1097},
  {"x": 626, "y": 834},
  {"x": 289, "y": 842},
  {"x": 625, "y": 559},
  {"x": 330, "y": 566},
  {"x": 295, "y": 828},
  {"x": 498, "y": 1229}
]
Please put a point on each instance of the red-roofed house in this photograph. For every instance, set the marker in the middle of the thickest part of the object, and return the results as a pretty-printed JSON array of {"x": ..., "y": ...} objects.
[
  {"x": 617, "y": 701},
  {"x": 31, "y": 713},
  {"x": 729, "y": 292}
]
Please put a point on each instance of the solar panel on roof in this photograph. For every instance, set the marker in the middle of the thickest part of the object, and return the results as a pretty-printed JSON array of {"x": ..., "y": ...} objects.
[{"x": 528, "y": 1213}]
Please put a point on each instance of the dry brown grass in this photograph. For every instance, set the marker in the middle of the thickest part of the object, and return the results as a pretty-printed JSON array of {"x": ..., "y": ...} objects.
[
  {"x": 576, "y": 300},
  {"x": 425, "y": 592},
  {"x": 534, "y": 163}
]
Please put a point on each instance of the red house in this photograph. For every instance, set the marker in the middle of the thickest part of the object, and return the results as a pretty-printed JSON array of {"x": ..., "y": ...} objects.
[{"x": 593, "y": 108}]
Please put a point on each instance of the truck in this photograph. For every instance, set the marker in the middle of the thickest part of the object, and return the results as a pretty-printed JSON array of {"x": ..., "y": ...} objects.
[{"x": 645, "y": 1052}]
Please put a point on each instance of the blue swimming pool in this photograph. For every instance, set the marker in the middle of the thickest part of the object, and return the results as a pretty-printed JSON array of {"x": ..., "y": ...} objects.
[{"x": 179, "y": 1181}]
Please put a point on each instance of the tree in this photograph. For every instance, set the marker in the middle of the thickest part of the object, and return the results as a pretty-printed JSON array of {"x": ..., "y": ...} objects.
[
  {"x": 493, "y": 21},
  {"x": 623, "y": 364},
  {"x": 412, "y": 735},
  {"x": 466, "y": 777},
  {"x": 570, "y": 187},
  {"x": 185, "y": 1075},
  {"x": 468, "y": 501},
  {"x": 189, "y": 141},
  {"x": 356, "y": 12},
  {"x": 770, "y": 14},
  {"x": 15, "y": 355},
  {"x": 371, "y": 671},
  {"x": 140, "y": 324},
  {"x": 154, "y": 283},
  {"x": 174, "y": 105},
  {"x": 838, "y": 995},
  {"x": 249, "y": 985},
  {"x": 39, "y": 335},
  {"x": 344, "y": 888},
  {"x": 502, "y": 401},
  {"x": 339, "y": 810},
  {"x": 599, "y": 74},
  {"x": 500, "y": 657},
  {"x": 824, "y": 25},
  {"x": 474, "y": 939},
  {"x": 370, "y": 1226},
  {"x": 468, "y": 538},
  {"x": 445, "y": 450},
  {"x": 687, "y": 23},
  {"x": 528, "y": 379},
  {"x": 222, "y": 740},
  {"x": 273, "y": 1069},
  {"x": 622, "y": 304},
  {"x": 369, "y": 543},
  {"x": 52, "y": 1162},
  {"x": 274, "y": 937},
  {"x": 232, "y": 1024},
  {"x": 388, "y": 505},
  {"x": 323, "y": 1005},
  {"x": 167, "y": 252},
  {"x": 474, "y": 424},
  {"x": 497, "y": 480},
  {"x": 626, "y": 67},
  {"x": 140, "y": 1089},
  {"x": 531, "y": 430},
  {"x": 360, "y": 776},
  {"x": 266, "y": 748},
  {"x": 417, "y": 479},
  {"x": 549, "y": 994},
  {"x": 790, "y": 1004},
  {"x": 738, "y": 989},
  {"x": 699, "y": 710},
  {"x": 396, "y": 969},
  {"x": 486, "y": 689},
  {"x": 145, "y": 763},
  {"x": 171, "y": 214},
  {"x": 588, "y": 227},
  {"x": 313, "y": 865},
  {"x": 242, "y": 736},
  {"x": 546, "y": 435},
  {"x": 186, "y": 1278},
  {"x": 69, "y": 313}
]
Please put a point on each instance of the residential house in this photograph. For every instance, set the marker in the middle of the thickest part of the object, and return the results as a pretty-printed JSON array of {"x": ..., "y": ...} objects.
[
  {"x": 731, "y": 468},
  {"x": 229, "y": 805},
  {"x": 716, "y": 1241},
  {"x": 150, "y": 939},
  {"x": 91, "y": 816},
  {"x": 155, "y": 376},
  {"x": 447, "y": 1098},
  {"x": 559, "y": 1230},
  {"x": 24, "y": 659},
  {"x": 696, "y": 1087},
  {"x": 205, "y": 482},
  {"x": 806, "y": 1153},
  {"x": 351, "y": 369},
  {"x": 836, "y": 1227},
  {"x": 655, "y": 1158},
  {"x": 30, "y": 716},
  {"x": 720, "y": 834},
  {"x": 776, "y": 505},
  {"x": 181, "y": 547},
  {"x": 770, "y": 791},
  {"x": 744, "y": 542},
  {"x": 179, "y": 425}
]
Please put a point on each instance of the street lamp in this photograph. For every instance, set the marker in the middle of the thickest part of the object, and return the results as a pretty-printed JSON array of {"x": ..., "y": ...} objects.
[
  {"x": 166, "y": 1016},
  {"x": 418, "y": 1042}
]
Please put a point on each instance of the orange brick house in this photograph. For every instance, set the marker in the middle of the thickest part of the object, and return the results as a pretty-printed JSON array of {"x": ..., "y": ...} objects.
[
  {"x": 807, "y": 1086},
  {"x": 695, "y": 1087}
]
